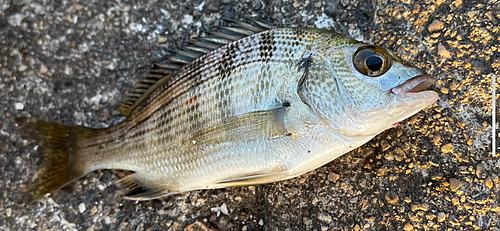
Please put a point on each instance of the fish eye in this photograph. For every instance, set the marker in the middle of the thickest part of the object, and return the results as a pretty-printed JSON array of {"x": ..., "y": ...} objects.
[{"x": 372, "y": 61}]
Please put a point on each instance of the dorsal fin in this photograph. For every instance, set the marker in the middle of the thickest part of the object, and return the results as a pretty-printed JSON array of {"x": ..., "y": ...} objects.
[{"x": 160, "y": 72}]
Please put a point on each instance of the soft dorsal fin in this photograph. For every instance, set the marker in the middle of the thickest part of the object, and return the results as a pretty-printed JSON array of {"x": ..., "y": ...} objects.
[
  {"x": 145, "y": 86},
  {"x": 160, "y": 72}
]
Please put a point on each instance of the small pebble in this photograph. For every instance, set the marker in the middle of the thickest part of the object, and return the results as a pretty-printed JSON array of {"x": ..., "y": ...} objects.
[
  {"x": 8, "y": 212},
  {"x": 441, "y": 216},
  {"x": 481, "y": 172},
  {"x": 78, "y": 7},
  {"x": 391, "y": 197},
  {"x": 408, "y": 227},
  {"x": 447, "y": 148},
  {"x": 420, "y": 207},
  {"x": 22, "y": 68},
  {"x": 82, "y": 208},
  {"x": 213, "y": 218},
  {"x": 443, "y": 52},
  {"x": 333, "y": 177},
  {"x": 43, "y": 69},
  {"x": 68, "y": 70},
  {"x": 324, "y": 217},
  {"x": 385, "y": 145},
  {"x": 69, "y": 19},
  {"x": 455, "y": 184},
  {"x": 436, "y": 25},
  {"x": 162, "y": 39},
  {"x": 454, "y": 221},
  {"x": 91, "y": 228},
  {"x": 139, "y": 27},
  {"x": 437, "y": 139},
  {"x": 188, "y": 19},
  {"x": 197, "y": 226},
  {"x": 445, "y": 90},
  {"x": 488, "y": 182},
  {"x": 223, "y": 209},
  {"x": 93, "y": 210},
  {"x": 19, "y": 106},
  {"x": 389, "y": 156},
  {"x": 15, "y": 20}
]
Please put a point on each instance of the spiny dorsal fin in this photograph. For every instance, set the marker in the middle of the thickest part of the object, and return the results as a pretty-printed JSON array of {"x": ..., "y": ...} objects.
[{"x": 160, "y": 72}]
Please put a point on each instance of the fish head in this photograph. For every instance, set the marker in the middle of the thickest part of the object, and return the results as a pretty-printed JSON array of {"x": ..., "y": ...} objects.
[{"x": 360, "y": 90}]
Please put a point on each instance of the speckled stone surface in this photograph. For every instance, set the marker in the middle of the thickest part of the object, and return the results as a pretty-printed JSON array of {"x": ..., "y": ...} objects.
[{"x": 72, "y": 61}]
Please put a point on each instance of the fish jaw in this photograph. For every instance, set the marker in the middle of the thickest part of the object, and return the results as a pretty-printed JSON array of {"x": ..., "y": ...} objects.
[
  {"x": 410, "y": 97},
  {"x": 405, "y": 100}
]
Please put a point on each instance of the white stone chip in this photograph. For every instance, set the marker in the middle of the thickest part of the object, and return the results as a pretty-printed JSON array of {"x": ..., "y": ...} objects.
[
  {"x": 15, "y": 20},
  {"x": 82, "y": 208},
  {"x": 19, "y": 106},
  {"x": 223, "y": 209},
  {"x": 188, "y": 19}
]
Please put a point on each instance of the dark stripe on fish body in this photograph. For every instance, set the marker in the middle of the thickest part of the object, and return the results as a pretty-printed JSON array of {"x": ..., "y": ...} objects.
[
  {"x": 267, "y": 45},
  {"x": 225, "y": 69}
]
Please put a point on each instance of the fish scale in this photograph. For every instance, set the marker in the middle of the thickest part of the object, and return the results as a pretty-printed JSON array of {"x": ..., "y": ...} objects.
[{"x": 264, "y": 108}]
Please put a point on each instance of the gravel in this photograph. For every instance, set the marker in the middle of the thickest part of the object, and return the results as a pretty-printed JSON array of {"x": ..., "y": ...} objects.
[{"x": 72, "y": 61}]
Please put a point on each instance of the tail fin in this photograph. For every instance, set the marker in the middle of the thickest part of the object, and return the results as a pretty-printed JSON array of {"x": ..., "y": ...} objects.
[{"x": 59, "y": 147}]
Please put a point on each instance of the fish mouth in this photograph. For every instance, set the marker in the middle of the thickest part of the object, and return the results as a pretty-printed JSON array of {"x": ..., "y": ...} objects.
[{"x": 414, "y": 85}]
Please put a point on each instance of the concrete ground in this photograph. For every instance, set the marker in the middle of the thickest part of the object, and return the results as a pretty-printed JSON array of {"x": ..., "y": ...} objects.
[{"x": 72, "y": 61}]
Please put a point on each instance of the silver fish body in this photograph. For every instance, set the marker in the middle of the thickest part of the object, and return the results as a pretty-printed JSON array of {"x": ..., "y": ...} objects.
[{"x": 264, "y": 108}]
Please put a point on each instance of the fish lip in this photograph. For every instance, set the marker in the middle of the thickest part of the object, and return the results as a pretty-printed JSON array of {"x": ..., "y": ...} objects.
[{"x": 414, "y": 85}]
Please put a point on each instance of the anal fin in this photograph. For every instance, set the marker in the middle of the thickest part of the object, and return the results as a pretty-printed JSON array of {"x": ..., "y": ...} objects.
[{"x": 139, "y": 188}]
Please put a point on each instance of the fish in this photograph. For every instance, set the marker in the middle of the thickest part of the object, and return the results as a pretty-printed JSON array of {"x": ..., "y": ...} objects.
[{"x": 250, "y": 104}]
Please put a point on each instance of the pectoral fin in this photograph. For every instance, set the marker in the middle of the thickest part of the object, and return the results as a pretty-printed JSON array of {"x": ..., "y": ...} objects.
[{"x": 263, "y": 125}]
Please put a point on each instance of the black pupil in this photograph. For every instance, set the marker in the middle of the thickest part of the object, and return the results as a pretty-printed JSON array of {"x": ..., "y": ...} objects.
[{"x": 374, "y": 63}]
